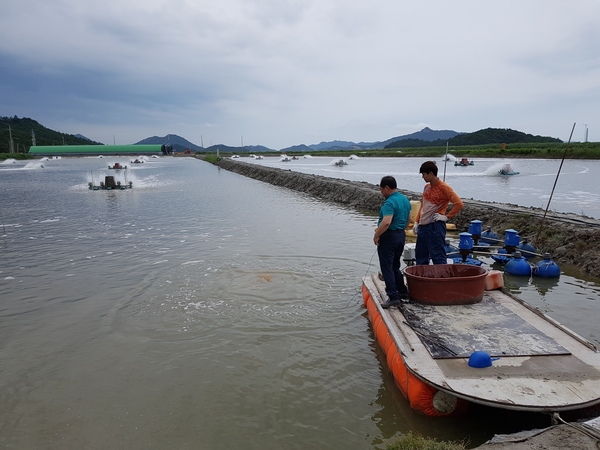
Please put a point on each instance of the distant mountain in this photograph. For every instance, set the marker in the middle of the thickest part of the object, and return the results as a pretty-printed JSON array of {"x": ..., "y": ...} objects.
[
  {"x": 298, "y": 148},
  {"x": 178, "y": 143},
  {"x": 24, "y": 131},
  {"x": 245, "y": 149},
  {"x": 336, "y": 145},
  {"x": 426, "y": 134}
]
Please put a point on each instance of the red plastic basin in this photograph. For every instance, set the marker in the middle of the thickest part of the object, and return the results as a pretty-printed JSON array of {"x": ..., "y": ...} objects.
[{"x": 446, "y": 284}]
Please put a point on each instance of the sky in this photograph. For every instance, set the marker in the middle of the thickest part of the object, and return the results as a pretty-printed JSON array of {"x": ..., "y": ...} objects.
[{"x": 280, "y": 73}]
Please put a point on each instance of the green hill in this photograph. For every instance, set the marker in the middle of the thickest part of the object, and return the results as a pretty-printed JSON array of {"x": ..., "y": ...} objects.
[
  {"x": 23, "y": 130},
  {"x": 499, "y": 136},
  {"x": 481, "y": 137}
]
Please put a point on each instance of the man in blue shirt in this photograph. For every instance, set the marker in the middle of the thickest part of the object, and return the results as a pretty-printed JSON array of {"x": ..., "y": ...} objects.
[{"x": 390, "y": 238}]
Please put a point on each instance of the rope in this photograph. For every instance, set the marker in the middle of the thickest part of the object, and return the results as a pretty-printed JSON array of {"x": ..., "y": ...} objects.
[
  {"x": 582, "y": 428},
  {"x": 367, "y": 271}
]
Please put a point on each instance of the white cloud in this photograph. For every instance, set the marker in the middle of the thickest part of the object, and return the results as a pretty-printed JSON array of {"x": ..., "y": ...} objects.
[{"x": 284, "y": 72}]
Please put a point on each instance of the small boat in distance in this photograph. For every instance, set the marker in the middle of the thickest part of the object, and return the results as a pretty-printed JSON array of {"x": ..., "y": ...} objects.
[
  {"x": 117, "y": 166},
  {"x": 463, "y": 162},
  {"x": 340, "y": 163},
  {"x": 507, "y": 170}
]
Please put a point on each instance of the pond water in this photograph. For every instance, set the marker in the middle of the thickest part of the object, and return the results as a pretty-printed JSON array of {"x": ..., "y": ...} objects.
[
  {"x": 203, "y": 309},
  {"x": 573, "y": 182}
]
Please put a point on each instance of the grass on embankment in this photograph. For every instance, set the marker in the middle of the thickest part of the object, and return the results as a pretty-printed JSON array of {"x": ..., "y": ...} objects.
[{"x": 415, "y": 442}]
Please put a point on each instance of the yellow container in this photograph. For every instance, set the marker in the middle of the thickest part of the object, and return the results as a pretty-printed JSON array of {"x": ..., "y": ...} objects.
[{"x": 415, "y": 207}]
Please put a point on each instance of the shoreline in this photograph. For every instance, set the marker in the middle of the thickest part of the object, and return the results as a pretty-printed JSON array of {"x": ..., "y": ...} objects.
[{"x": 570, "y": 238}]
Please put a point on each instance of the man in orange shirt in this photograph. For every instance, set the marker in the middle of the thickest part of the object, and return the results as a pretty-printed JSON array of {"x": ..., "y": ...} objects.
[{"x": 430, "y": 226}]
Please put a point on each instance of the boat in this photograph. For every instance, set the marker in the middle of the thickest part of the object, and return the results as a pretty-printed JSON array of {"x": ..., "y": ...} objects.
[
  {"x": 463, "y": 162},
  {"x": 109, "y": 183},
  {"x": 137, "y": 161},
  {"x": 507, "y": 170},
  {"x": 496, "y": 351},
  {"x": 117, "y": 166},
  {"x": 340, "y": 163}
]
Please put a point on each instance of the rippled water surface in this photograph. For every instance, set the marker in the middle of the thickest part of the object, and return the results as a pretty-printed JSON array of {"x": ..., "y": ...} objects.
[{"x": 201, "y": 309}]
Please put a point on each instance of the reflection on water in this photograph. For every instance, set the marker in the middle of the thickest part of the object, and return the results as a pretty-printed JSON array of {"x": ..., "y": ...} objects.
[{"x": 200, "y": 309}]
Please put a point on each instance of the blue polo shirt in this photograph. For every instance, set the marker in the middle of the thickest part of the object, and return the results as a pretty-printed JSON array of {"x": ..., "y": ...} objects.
[{"x": 398, "y": 206}]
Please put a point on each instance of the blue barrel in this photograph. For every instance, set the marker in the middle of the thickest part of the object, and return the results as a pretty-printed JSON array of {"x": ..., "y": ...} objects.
[
  {"x": 476, "y": 227},
  {"x": 489, "y": 237},
  {"x": 527, "y": 250},
  {"x": 511, "y": 238},
  {"x": 465, "y": 241},
  {"x": 518, "y": 266},
  {"x": 546, "y": 268}
]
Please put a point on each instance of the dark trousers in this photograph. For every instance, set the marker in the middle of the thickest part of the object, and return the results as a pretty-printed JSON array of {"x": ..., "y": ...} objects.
[
  {"x": 431, "y": 243},
  {"x": 389, "y": 250}
]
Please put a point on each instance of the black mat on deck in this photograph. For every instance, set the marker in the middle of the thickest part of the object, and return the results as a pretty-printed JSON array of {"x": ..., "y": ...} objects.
[{"x": 455, "y": 331}]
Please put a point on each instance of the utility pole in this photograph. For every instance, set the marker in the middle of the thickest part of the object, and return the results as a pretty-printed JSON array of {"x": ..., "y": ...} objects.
[
  {"x": 32, "y": 138},
  {"x": 11, "y": 145},
  {"x": 586, "y": 132}
]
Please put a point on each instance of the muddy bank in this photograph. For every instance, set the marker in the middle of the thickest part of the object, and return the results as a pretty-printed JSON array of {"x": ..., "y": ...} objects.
[{"x": 571, "y": 239}]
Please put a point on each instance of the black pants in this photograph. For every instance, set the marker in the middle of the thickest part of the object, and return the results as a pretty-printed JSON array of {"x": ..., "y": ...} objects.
[{"x": 389, "y": 250}]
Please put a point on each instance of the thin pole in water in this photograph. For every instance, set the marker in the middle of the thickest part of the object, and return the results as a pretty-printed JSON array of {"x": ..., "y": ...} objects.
[
  {"x": 445, "y": 161},
  {"x": 555, "y": 181}
]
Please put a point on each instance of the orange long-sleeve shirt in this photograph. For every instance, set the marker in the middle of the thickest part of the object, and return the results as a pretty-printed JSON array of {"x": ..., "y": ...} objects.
[{"x": 436, "y": 198}]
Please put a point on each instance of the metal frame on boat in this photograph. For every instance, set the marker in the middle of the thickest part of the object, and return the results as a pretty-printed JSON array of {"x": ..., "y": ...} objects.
[
  {"x": 542, "y": 366},
  {"x": 109, "y": 183}
]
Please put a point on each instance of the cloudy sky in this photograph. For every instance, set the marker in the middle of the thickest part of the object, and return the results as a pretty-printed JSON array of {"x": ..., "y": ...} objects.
[{"x": 285, "y": 72}]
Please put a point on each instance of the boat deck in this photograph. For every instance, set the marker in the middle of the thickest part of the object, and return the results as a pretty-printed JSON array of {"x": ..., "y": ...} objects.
[{"x": 541, "y": 365}]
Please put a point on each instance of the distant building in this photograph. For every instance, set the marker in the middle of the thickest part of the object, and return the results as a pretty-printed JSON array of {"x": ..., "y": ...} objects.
[{"x": 79, "y": 150}]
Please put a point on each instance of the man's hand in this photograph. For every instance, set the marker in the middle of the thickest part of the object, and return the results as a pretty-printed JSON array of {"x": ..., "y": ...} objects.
[
  {"x": 416, "y": 228},
  {"x": 440, "y": 217}
]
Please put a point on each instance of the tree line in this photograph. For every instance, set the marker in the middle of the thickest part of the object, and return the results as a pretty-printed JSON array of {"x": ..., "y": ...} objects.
[{"x": 23, "y": 130}]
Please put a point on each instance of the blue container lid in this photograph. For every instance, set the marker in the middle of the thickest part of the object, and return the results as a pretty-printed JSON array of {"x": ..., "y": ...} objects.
[
  {"x": 512, "y": 238},
  {"x": 480, "y": 359}
]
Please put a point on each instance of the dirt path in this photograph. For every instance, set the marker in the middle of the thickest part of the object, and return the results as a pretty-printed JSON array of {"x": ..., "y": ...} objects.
[{"x": 570, "y": 239}]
